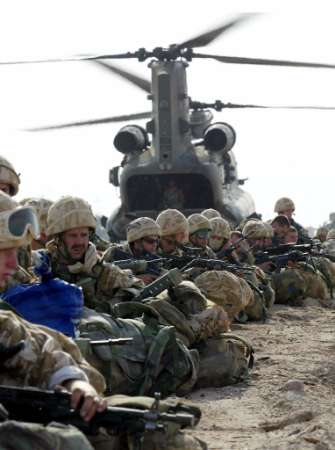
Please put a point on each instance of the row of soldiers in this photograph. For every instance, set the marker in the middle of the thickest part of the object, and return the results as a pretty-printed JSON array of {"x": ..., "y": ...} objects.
[{"x": 180, "y": 339}]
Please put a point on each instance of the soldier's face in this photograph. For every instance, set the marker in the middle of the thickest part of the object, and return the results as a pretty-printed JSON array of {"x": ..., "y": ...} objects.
[
  {"x": 200, "y": 238},
  {"x": 76, "y": 242},
  {"x": 8, "y": 264},
  {"x": 288, "y": 213},
  {"x": 216, "y": 242},
  {"x": 280, "y": 230},
  {"x": 4, "y": 187},
  {"x": 150, "y": 243}
]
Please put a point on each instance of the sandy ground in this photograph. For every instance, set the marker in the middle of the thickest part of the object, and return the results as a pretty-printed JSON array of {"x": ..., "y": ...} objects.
[{"x": 288, "y": 401}]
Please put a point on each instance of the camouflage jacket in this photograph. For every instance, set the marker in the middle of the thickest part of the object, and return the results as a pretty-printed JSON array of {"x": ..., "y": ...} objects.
[
  {"x": 329, "y": 247},
  {"x": 99, "y": 280},
  {"x": 49, "y": 358},
  {"x": 116, "y": 252}
]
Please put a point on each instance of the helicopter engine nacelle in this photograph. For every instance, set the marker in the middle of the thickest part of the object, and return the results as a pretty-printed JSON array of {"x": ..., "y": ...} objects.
[
  {"x": 219, "y": 137},
  {"x": 130, "y": 139}
]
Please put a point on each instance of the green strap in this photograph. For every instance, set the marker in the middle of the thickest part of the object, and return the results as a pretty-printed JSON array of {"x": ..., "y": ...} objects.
[{"x": 154, "y": 357}]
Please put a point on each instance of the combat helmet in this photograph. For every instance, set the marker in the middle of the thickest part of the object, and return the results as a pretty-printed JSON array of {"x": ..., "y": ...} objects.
[
  {"x": 198, "y": 222},
  {"x": 67, "y": 213},
  {"x": 141, "y": 227},
  {"x": 220, "y": 227},
  {"x": 255, "y": 229},
  {"x": 172, "y": 221},
  {"x": 321, "y": 232},
  {"x": 210, "y": 213},
  {"x": 332, "y": 217},
  {"x": 41, "y": 206},
  {"x": 9, "y": 176},
  {"x": 18, "y": 225},
  {"x": 283, "y": 204}
]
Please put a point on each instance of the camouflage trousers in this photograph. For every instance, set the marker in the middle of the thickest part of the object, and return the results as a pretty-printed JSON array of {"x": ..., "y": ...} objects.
[
  {"x": 292, "y": 285},
  {"x": 29, "y": 436}
]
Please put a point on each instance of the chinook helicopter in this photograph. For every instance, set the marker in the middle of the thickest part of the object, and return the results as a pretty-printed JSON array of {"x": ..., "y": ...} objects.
[{"x": 189, "y": 165}]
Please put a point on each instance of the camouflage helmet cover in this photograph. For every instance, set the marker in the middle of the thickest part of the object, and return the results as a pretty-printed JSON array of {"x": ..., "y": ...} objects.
[
  {"x": 255, "y": 229},
  {"x": 198, "y": 222},
  {"x": 220, "y": 227},
  {"x": 68, "y": 213},
  {"x": 210, "y": 213},
  {"x": 9, "y": 176},
  {"x": 224, "y": 289},
  {"x": 141, "y": 227},
  {"x": 41, "y": 206},
  {"x": 323, "y": 230},
  {"x": 283, "y": 204},
  {"x": 172, "y": 221}
]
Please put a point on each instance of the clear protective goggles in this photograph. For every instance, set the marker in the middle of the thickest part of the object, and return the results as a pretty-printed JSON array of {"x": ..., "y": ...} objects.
[{"x": 16, "y": 224}]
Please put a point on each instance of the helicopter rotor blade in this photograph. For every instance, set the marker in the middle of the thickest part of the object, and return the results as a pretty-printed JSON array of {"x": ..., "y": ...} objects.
[
  {"x": 72, "y": 59},
  {"x": 206, "y": 38},
  {"x": 124, "y": 118},
  {"x": 236, "y": 105},
  {"x": 263, "y": 62},
  {"x": 140, "y": 82}
]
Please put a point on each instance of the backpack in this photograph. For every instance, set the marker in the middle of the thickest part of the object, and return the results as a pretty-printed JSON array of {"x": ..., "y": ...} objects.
[
  {"x": 224, "y": 360},
  {"x": 155, "y": 361}
]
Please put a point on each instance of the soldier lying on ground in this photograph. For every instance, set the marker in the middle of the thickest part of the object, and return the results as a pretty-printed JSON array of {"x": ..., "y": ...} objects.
[
  {"x": 292, "y": 278},
  {"x": 48, "y": 359},
  {"x": 194, "y": 324}
]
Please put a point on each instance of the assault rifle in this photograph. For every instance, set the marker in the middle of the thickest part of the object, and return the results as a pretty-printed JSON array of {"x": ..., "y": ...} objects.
[
  {"x": 187, "y": 262},
  {"x": 216, "y": 264},
  {"x": 139, "y": 266},
  {"x": 226, "y": 252},
  {"x": 178, "y": 261},
  {"x": 172, "y": 278},
  {"x": 285, "y": 248},
  {"x": 41, "y": 406},
  {"x": 191, "y": 252},
  {"x": 280, "y": 261}
]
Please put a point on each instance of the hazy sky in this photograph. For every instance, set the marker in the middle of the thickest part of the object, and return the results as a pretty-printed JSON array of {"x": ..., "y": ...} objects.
[{"x": 283, "y": 153}]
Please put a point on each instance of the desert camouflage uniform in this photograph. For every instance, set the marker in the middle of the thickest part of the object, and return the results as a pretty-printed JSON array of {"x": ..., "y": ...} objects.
[
  {"x": 101, "y": 282},
  {"x": 329, "y": 245},
  {"x": 198, "y": 321},
  {"x": 116, "y": 252},
  {"x": 48, "y": 359},
  {"x": 200, "y": 325}
]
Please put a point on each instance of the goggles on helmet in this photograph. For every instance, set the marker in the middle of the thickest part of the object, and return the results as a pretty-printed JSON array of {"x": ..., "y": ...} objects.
[
  {"x": 18, "y": 222},
  {"x": 202, "y": 234}
]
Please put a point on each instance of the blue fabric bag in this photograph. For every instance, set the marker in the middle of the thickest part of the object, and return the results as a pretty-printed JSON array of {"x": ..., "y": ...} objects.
[{"x": 52, "y": 302}]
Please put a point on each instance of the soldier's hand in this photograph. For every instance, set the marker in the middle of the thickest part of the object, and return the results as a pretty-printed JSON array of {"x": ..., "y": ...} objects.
[{"x": 86, "y": 396}]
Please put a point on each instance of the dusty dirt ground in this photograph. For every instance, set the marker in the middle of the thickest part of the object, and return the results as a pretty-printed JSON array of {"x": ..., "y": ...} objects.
[{"x": 267, "y": 412}]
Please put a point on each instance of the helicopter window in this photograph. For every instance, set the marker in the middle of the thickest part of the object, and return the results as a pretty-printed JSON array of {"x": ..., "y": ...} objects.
[{"x": 180, "y": 191}]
